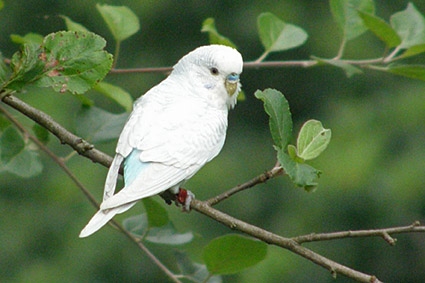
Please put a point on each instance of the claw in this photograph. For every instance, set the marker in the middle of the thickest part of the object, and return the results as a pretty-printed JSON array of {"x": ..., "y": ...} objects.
[{"x": 185, "y": 197}]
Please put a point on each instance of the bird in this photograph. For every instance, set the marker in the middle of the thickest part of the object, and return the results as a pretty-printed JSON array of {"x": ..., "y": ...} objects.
[{"x": 174, "y": 129}]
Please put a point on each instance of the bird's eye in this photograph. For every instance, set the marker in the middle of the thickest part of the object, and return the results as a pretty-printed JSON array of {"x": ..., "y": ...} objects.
[{"x": 214, "y": 71}]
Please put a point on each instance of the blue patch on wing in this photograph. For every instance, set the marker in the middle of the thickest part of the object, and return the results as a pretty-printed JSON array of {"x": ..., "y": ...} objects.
[{"x": 133, "y": 166}]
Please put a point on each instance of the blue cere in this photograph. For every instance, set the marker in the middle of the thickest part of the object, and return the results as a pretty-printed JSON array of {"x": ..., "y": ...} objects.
[{"x": 233, "y": 77}]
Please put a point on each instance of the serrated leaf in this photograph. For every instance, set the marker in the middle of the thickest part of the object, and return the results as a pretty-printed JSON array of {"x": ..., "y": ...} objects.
[
  {"x": 301, "y": 174},
  {"x": 97, "y": 125},
  {"x": 73, "y": 26},
  {"x": 410, "y": 26},
  {"x": 26, "y": 67},
  {"x": 345, "y": 13},
  {"x": 74, "y": 61},
  {"x": 414, "y": 50},
  {"x": 156, "y": 213},
  {"x": 349, "y": 69},
  {"x": 215, "y": 37},
  {"x": 28, "y": 38},
  {"x": 381, "y": 29},
  {"x": 11, "y": 144},
  {"x": 277, "y": 107},
  {"x": 197, "y": 272},
  {"x": 312, "y": 140},
  {"x": 41, "y": 133},
  {"x": 121, "y": 21},
  {"x": 117, "y": 94},
  {"x": 168, "y": 235},
  {"x": 228, "y": 254},
  {"x": 276, "y": 35},
  {"x": 410, "y": 71}
]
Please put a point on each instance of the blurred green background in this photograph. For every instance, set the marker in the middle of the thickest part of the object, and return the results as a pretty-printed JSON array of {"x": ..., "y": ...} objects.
[{"x": 373, "y": 170}]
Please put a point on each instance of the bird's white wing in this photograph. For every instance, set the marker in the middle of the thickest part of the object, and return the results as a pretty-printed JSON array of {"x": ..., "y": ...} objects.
[{"x": 172, "y": 140}]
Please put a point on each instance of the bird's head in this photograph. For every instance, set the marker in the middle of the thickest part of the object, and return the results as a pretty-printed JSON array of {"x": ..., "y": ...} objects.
[{"x": 215, "y": 69}]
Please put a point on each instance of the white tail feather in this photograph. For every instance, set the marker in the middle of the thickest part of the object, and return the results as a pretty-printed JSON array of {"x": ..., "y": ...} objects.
[
  {"x": 102, "y": 217},
  {"x": 111, "y": 178}
]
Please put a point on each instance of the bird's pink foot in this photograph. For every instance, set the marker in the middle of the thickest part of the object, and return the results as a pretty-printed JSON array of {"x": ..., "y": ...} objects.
[{"x": 185, "y": 197}]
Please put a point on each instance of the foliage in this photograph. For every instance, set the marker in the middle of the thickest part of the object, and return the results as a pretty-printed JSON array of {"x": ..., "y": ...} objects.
[{"x": 76, "y": 61}]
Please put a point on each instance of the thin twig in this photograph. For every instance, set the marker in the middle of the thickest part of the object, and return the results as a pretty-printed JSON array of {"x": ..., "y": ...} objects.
[
  {"x": 275, "y": 171},
  {"x": 384, "y": 233}
]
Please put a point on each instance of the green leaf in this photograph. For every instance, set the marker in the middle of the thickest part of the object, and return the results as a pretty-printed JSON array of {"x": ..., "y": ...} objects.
[
  {"x": 276, "y": 35},
  {"x": 414, "y": 50},
  {"x": 74, "y": 61},
  {"x": 301, "y": 174},
  {"x": 410, "y": 26},
  {"x": 26, "y": 164},
  {"x": 164, "y": 235},
  {"x": 117, "y": 94},
  {"x": 233, "y": 253},
  {"x": 97, "y": 125},
  {"x": 85, "y": 101},
  {"x": 137, "y": 224},
  {"x": 208, "y": 26},
  {"x": 41, "y": 133},
  {"x": 28, "y": 38},
  {"x": 16, "y": 157},
  {"x": 277, "y": 107},
  {"x": 1, "y": 4},
  {"x": 4, "y": 124},
  {"x": 198, "y": 272},
  {"x": 410, "y": 71},
  {"x": 349, "y": 69},
  {"x": 121, "y": 21},
  {"x": 345, "y": 13},
  {"x": 4, "y": 70},
  {"x": 26, "y": 67},
  {"x": 241, "y": 96},
  {"x": 168, "y": 235},
  {"x": 381, "y": 29},
  {"x": 312, "y": 139},
  {"x": 157, "y": 215},
  {"x": 11, "y": 144},
  {"x": 73, "y": 26}
]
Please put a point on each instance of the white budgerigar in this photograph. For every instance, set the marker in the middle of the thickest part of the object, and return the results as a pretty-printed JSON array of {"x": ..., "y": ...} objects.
[{"x": 174, "y": 129}]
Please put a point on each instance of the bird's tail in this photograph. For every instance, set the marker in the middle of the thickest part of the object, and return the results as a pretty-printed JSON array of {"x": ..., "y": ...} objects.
[
  {"x": 102, "y": 217},
  {"x": 111, "y": 178}
]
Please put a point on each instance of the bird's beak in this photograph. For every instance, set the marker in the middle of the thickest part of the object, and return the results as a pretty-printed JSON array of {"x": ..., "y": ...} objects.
[{"x": 231, "y": 83}]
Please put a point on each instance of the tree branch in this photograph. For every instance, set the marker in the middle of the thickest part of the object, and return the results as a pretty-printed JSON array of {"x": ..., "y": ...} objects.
[{"x": 65, "y": 137}]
